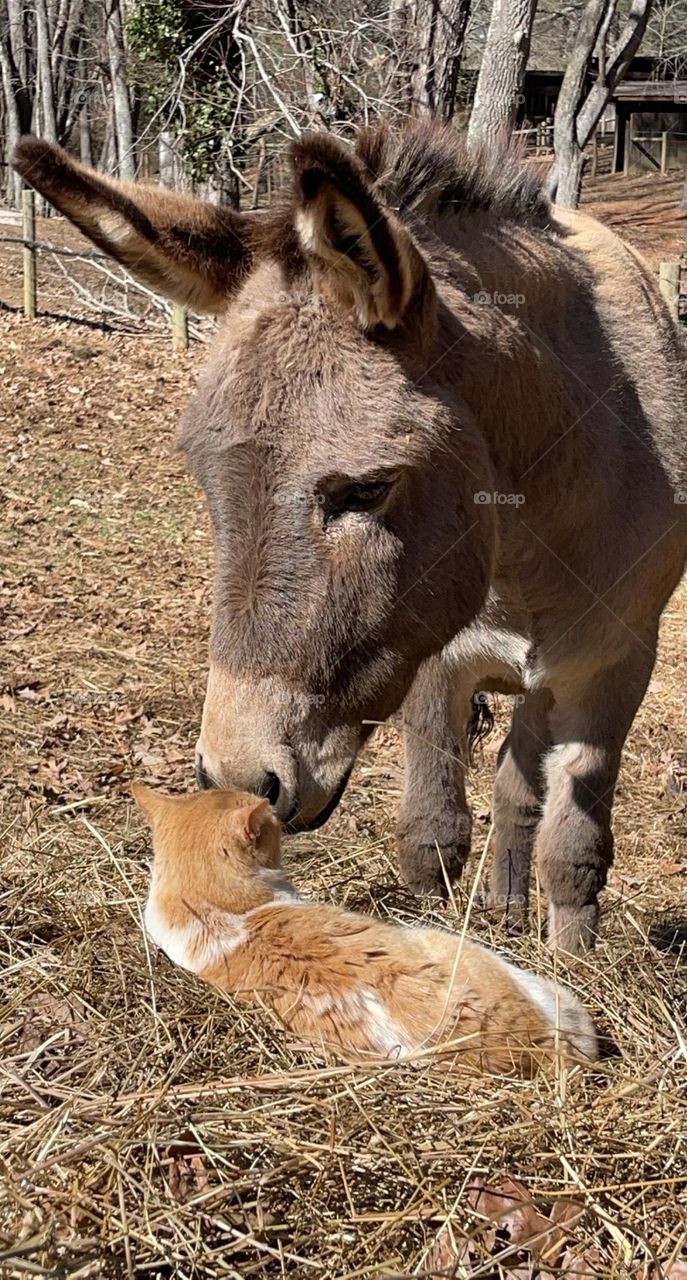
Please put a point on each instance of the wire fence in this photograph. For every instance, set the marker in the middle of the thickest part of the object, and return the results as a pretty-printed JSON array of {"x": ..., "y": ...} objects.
[{"x": 83, "y": 285}]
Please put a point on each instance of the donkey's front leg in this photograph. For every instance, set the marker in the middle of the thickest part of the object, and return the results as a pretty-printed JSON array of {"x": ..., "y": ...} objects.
[
  {"x": 434, "y": 823},
  {"x": 518, "y": 797},
  {"x": 574, "y": 845}
]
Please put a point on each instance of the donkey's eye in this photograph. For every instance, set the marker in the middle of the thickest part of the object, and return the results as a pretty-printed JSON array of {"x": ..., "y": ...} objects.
[{"x": 364, "y": 495}]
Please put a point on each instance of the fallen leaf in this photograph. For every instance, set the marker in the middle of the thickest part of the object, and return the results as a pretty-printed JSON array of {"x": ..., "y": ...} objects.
[
  {"x": 567, "y": 1213},
  {"x": 45, "y": 1015},
  {"x": 187, "y": 1176},
  {"x": 446, "y": 1253},
  {"x": 509, "y": 1204},
  {"x": 585, "y": 1265}
]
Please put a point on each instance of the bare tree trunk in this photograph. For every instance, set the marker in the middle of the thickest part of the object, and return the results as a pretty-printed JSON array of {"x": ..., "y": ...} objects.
[
  {"x": 565, "y": 179},
  {"x": 221, "y": 186},
  {"x": 301, "y": 42},
  {"x": 401, "y": 30},
  {"x": 259, "y": 171},
  {"x": 167, "y": 159},
  {"x": 45, "y": 76},
  {"x": 577, "y": 116},
  {"x": 429, "y": 36},
  {"x": 502, "y": 73},
  {"x": 12, "y": 128},
  {"x": 68, "y": 57},
  {"x": 16, "y": 47},
  {"x": 123, "y": 119},
  {"x": 107, "y": 161},
  {"x": 85, "y": 140}
]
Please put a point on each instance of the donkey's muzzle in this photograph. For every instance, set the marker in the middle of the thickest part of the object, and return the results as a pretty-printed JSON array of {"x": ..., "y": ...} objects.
[
  {"x": 203, "y": 780},
  {"x": 294, "y": 824},
  {"x": 268, "y": 785}
]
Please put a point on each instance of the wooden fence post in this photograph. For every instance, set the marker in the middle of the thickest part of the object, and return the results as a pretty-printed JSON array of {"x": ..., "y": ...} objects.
[
  {"x": 669, "y": 284},
  {"x": 28, "y": 205},
  {"x": 664, "y": 152},
  {"x": 179, "y": 327}
]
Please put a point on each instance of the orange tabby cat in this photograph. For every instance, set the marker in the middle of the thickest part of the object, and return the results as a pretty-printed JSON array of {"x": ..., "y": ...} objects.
[{"x": 220, "y": 906}]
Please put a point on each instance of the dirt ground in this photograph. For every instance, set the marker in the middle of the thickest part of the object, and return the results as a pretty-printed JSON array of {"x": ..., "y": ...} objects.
[
  {"x": 147, "y": 1125},
  {"x": 643, "y": 208}
]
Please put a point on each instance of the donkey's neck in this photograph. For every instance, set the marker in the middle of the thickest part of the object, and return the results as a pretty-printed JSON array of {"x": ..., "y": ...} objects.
[{"x": 507, "y": 299}]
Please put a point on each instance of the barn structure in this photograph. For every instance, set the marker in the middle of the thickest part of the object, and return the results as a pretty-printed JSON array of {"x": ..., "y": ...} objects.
[
  {"x": 650, "y": 125},
  {"x": 647, "y": 115}
]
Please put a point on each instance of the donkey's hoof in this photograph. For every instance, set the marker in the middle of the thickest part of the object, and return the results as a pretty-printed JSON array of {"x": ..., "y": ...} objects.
[
  {"x": 573, "y": 929},
  {"x": 433, "y": 852},
  {"x": 431, "y": 868}
]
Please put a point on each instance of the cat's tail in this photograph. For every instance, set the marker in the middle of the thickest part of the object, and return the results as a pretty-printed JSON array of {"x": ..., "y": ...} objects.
[
  {"x": 565, "y": 1014},
  {"x": 575, "y": 1024}
]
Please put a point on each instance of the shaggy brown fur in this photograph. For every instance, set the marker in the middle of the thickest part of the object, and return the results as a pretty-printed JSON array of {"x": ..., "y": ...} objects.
[
  {"x": 442, "y": 438},
  {"x": 220, "y": 906}
]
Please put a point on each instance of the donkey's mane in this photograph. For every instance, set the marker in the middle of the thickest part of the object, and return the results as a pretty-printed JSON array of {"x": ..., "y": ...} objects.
[
  {"x": 426, "y": 169},
  {"x": 422, "y": 170}
]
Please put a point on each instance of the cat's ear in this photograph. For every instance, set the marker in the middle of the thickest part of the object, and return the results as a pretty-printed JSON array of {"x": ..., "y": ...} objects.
[
  {"x": 151, "y": 803},
  {"x": 248, "y": 821}
]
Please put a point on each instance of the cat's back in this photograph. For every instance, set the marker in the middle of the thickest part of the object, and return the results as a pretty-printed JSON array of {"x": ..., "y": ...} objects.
[
  {"x": 460, "y": 985},
  {"x": 380, "y": 987}
]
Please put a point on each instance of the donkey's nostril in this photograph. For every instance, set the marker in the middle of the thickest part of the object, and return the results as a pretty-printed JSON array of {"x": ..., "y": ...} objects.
[
  {"x": 203, "y": 779},
  {"x": 270, "y": 788}
]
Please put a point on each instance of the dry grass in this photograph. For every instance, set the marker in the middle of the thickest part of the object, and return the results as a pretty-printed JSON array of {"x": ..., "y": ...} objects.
[{"x": 147, "y": 1126}]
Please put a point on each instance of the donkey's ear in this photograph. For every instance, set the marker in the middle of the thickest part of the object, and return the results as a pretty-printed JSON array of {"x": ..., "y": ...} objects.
[
  {"x": 186, "y": 249},
  {"x": 360, "y": 251}
]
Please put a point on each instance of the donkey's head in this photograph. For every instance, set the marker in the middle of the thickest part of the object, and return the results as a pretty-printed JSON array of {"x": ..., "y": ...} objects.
[{"x": 338, "y": 463}]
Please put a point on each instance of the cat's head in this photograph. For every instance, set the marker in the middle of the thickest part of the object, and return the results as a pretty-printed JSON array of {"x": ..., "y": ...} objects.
[{"x": 215, "y": 847}]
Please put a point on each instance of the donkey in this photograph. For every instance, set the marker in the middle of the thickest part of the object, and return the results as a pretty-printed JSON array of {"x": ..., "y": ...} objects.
[{"x": 442, "y": 440}]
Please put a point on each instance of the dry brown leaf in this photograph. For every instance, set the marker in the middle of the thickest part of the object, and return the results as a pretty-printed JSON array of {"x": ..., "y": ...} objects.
[
  {"x": 585, "y": 1265},
  {"x": 47, "y": 1014},
  {"x": 509, "y": 1204},
  {"x": 187, "y": 1177},
  {"x": 567, "y": 1213},
  {"x": 446, "y": 1252}
]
